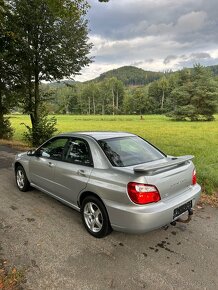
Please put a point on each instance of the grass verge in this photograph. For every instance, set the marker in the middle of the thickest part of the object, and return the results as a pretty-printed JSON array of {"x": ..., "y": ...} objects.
[
  {"x": 211, "y": 200},
  {"x": 14, "y": 144},
  {"x": 10, "y": 278}
]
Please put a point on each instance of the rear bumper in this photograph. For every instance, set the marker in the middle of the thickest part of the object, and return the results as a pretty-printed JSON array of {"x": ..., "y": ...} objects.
[{"x": 141, "y": 219}]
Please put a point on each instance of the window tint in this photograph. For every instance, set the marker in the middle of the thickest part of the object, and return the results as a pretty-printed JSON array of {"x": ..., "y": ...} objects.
[
  {"x": 78, "y": 152},
  {"x": 54, "y": 148},
  {"x": 127, "y": 151}
]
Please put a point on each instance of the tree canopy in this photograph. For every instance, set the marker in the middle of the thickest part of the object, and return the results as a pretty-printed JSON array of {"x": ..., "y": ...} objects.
[
  {"x": 40, "y": 40},
  {"x": 195, "y": 96},
  {"x": 50, "y": 42}
]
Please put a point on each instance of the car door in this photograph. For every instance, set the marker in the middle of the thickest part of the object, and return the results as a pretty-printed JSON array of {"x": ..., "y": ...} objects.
[
  {"x": 72, "y": 174},
  {"x": 42, "y": 165}
]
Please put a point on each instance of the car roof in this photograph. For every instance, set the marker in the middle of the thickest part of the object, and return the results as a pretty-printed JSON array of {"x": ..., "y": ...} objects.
[{"x": 99, "y": 135}]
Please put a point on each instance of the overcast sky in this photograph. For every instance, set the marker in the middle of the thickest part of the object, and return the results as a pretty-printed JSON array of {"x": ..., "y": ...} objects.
[{"x": 152, "y": 34}]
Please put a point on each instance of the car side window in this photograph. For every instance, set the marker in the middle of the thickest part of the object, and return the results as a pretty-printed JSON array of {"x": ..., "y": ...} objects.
[
  {"x": 78, "y": 152},
  {"x": 54, "y": 148}
]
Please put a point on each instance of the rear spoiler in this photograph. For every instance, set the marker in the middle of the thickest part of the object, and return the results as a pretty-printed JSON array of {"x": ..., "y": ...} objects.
[{"x": 172, "y": 162}]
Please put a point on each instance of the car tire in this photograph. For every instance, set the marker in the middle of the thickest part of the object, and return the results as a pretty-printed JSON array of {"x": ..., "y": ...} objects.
[
  {"x": 21, "y": 179},
  {"x": 95, "y": 217}
]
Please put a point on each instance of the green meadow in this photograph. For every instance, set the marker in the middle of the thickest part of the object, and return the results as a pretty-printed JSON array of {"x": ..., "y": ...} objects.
[{"x": 174, "y": 138}]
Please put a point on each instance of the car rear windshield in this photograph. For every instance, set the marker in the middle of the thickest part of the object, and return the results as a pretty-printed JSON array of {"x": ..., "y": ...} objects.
[{"x": 127, "y": 151}]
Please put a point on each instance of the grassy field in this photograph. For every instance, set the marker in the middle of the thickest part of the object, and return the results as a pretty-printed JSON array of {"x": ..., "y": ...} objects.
[{"x": 174, "y": 138}]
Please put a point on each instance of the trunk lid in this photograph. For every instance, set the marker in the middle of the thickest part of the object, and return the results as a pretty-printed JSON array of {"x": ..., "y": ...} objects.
[{"x": 171, "y": 175}]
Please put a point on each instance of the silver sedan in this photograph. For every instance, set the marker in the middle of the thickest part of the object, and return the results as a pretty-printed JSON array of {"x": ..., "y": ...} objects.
[{"x": 116, "y": 180}]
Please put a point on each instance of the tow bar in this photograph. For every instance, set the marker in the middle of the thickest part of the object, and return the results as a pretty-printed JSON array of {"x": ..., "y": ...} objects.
[{"x": 180, "y": 220}]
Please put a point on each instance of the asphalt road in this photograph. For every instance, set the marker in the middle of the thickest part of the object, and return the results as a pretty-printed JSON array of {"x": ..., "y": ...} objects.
[{"x": 46, "y": 239}]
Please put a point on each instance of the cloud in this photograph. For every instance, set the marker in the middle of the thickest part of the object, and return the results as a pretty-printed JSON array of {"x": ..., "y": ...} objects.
[
  {"x": 192, "y": 21},
  {"x": 150, "y": 60},
  {"x": 193, "y": 57},
  {"x": 200, "y": 55},
  {"x": 189, "y": 63},
  {"x": 169, "y": 58},
  {"x": 137, "y": 63},
  {"x": 152, "y": 34}
]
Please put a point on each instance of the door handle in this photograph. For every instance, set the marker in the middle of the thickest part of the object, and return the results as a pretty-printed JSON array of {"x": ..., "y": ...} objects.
[
  {"x": 50, "y": 164},
  {"x": 81, "y": 172}
]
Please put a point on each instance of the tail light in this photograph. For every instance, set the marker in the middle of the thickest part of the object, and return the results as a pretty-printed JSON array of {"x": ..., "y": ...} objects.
[
  {"x": 142, "y": 193},
  {"x": 194, "y": 177}
]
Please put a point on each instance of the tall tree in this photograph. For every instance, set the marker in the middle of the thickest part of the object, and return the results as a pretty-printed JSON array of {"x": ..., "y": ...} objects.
[
  {"x": 51, "y": 43},
  {"x": 155, "y": 93},
  {"x": 205, "y": 92},
  {"x": 136, "y": 101},
  {"x": 195, "y": 97},
  {"x": 163, "y": 84},
  {"x": 90, "y": 98},
  {"x": 115, "y": 89}
]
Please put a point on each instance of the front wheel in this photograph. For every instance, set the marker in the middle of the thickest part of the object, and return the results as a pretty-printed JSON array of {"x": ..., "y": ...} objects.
[
  {"x": 95, "y": 217},
  {"x": 21, "y": 179}
]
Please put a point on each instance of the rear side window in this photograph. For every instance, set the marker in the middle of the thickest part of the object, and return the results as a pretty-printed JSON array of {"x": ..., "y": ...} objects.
[
  {"x": 78, "y": 152},
  {"x": 127, "y": 151}
]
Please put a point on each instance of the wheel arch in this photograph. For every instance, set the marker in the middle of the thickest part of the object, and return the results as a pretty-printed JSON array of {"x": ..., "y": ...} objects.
[
  {"x": 24, "y": 165},
  {"x": 88, "y": 193},
  {"x": 17, "y": 163}
]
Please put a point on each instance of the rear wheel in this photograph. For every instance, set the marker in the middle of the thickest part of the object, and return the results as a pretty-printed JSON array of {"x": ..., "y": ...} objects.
[
  {"x": 95, "y": 217},
  {"x": 21, "y": 179}
]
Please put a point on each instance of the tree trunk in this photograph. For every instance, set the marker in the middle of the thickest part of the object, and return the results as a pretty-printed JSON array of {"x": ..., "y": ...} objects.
[
  {"x": 117, "y": 105},
  {"x": 35, "y": 110},
  {"x": 35, "y": 116},
  {"x": 31, "y": 104},
  {"x": 5, "y": 127},
  {"x": 162, "y": 100},
  {"x": 103, "y": 108},
  {"x": 89, "y": 112},
  {"x": 1, "y": 116},
  {"x": 66, "y": 105},
  {"x": 93, "y": 101},
  {"x": 113, "y": 100}
]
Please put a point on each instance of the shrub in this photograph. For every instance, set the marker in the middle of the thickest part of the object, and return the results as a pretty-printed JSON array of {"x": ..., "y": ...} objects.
[
  {"x": 43, "y": 130},
  {"x": 6, "y": 131}
]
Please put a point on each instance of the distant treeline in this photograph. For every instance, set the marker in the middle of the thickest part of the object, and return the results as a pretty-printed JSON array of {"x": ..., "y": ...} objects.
[{"x": 189, "y": 94}]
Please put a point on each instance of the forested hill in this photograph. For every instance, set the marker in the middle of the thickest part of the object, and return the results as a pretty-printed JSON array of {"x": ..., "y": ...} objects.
[{"x": 131, "y": 75}]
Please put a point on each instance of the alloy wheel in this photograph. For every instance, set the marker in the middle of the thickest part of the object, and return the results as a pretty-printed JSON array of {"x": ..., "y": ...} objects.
[
  {"x": 20, "y": 178},
  {"x": 93, "y": 217}
]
